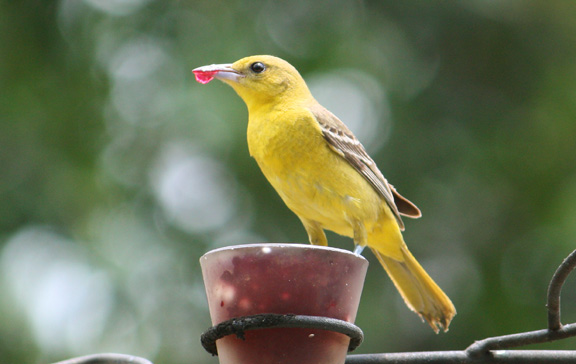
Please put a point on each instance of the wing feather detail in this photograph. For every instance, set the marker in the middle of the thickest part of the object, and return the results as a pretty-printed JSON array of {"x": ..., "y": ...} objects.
[{"x": 344, "y": 143}]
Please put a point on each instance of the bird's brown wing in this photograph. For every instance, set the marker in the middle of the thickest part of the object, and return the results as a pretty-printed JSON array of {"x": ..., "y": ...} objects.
[{"x": 343, "y": 142}]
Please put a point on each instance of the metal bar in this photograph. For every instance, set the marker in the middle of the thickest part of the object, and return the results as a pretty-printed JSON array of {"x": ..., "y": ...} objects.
[
  {"x": 461, "y": 357},
  {"x": 107, "y": 358},
  {"x": 481, "y": 347},
  {"x": 555, "y": 331},
  {"x": 555, "y": 288}
]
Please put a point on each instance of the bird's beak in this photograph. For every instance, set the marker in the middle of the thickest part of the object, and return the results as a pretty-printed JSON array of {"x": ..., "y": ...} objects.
[{"x": 223, "y": 72}]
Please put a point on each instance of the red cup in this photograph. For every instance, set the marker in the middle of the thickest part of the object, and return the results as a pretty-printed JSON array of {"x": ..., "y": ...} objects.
[{"x": 246, "y": 280}]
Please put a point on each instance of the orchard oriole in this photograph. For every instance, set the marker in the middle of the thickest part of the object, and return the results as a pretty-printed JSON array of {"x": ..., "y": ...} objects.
[{"x": 324, "y": 175}]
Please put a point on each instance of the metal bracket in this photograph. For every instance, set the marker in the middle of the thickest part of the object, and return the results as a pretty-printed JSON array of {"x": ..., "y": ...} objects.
[{"x": 239, "y": 325}]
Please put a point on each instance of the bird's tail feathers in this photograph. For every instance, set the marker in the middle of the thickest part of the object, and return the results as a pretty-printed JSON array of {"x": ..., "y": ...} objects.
[{"x": 421, "y": 294}]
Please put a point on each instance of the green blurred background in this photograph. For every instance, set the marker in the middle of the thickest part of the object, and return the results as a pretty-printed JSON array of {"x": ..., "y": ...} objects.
[{"x": 119, "y": 170}]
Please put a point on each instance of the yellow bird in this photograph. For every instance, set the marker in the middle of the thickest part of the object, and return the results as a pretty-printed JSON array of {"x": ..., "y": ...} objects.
[{"x": 324, "y": 175}]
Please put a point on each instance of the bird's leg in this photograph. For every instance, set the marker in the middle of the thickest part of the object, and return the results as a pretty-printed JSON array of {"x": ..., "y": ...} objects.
[
  {"x": 359, "y": 249},
  {"x": 315, "y": 232},
  {"x": 360, "y": 237}
]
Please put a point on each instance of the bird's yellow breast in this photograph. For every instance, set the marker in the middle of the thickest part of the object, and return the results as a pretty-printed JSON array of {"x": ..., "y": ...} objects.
[{"x": 314, "y": 182}]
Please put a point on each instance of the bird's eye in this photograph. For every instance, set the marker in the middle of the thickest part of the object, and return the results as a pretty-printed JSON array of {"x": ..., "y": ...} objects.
[{"x": 257, "y": 67}]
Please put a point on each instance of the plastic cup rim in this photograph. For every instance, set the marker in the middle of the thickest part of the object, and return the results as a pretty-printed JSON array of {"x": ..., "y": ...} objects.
[{"x": 281, "y": 245}]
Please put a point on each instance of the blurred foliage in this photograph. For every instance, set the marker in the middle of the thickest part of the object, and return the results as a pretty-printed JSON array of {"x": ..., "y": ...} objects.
[{"x": 119, "y": 170}]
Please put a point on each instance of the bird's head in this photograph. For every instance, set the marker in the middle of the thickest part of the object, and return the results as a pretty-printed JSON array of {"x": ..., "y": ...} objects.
[{"x": 259, "y": 80}]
